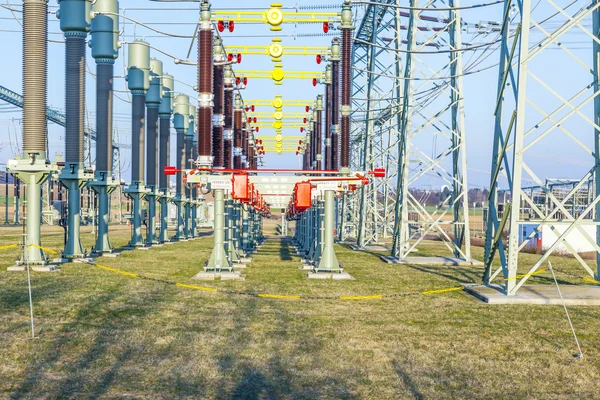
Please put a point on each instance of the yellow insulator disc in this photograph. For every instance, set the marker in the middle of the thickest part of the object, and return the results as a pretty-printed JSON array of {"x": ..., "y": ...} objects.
[
  {"x": 278, "y": 102},
  {"x": 278, "y": 115},
  {"x": 278, "y": 74},
  {"x": 275, "y": 50},
  {"x": 278, "y": 145},
  {"x": 274, "y": 16},
  {"x": 278, "y": 138},
  {"x": 277, "y": 125}
]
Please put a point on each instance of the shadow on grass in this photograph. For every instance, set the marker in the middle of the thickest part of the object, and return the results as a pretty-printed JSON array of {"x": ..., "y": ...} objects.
[
  {"x": 285, "y": 253},
  {"x": 106, "y": 321},
  {"x": 408, "y": 381},
  {"x": 277, "y": 379}
]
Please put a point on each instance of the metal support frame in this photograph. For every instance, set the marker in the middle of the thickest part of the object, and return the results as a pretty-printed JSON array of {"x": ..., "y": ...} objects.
[{"x": 523, "y": 123}]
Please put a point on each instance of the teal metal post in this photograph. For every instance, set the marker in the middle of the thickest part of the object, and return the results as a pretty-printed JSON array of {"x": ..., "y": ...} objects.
[
  {"x": 329, "y": 261},
  {"x": 218, "y": 260}
]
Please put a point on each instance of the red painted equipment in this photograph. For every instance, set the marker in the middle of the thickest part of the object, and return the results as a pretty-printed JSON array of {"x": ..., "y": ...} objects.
[
  {"x": 240, "y": 187},
  {"x": 302, "y": 196}
]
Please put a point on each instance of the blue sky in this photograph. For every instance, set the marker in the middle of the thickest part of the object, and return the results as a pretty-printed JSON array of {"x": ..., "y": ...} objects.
[{"x": 555, "y": 156}]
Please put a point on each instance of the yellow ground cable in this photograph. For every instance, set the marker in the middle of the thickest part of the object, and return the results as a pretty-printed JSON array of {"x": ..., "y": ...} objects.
[
  {"x": 47, "y": 250},
  {"x": 454, "y": 289},
  {"x": 540, "y": 271},
  {"x": 117, "y": 271},
  {"x": 344, "y": 298},
  {"x": 203, "y": 289},
  {"x": 10, "y": 246},
  {"x": 277, "y": 296}
]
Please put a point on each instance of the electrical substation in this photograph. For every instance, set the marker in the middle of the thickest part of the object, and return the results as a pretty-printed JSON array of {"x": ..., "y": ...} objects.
[{"x": 321, "y": 200}]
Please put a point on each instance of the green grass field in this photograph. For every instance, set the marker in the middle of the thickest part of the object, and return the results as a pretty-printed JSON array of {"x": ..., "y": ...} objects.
[{"x": 106, "y": 335}]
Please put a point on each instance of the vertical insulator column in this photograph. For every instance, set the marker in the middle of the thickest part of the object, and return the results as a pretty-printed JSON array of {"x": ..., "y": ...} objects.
[
  {"x": 74, "y": 96},
  {"x": 35, "y": 62},
  {"x": 181, "y": 121},
  {"x": 346, "y": 78},
  {"x": 105, "y": 50},
  {"x": 138, "y": 82},
  {"x": 237, "y": 132},
  {"x": 228, "y": 118},
  {"x": 319, "y": 133},
  {"x": 165, "y": 111},
  {"x": 245, "y": 158},
  {"x": 327, "y": 155},
  {"x": 219, "y": 105},
  {"x": 104, "y": 117},
  {"x": 75, "y": 24},
  {"x": 335, "y": 103},
  {"x": 153, "y": 101},
  {"x": 138, "y": 138},
  {"x": 205, "y": 86},
  {"x": 152, "y": 146}
]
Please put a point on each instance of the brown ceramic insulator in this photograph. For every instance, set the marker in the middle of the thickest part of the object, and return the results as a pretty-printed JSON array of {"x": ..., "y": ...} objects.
[
  {"x": 219, "y": 99},
  {"x": 204, "y": 131},
  {"x": 335, "y": 112},
  {"x": 335, "y": 92},
  {"x": 228, "y": 107},
  {"x": 319, "y": 138},
  {"x": 205, "y": 61},
  {"x": 205, "y": 87},
  {"x": 217, "y": 146},
  {"x": 346, "y": 88},
  {"x": 327, "y": 155},
  {"x": 245, "y": 142},
  {"x": 237, "y": 137},
  {"x": 227, "y": 153},
  {"x": 313, "y": 144}
]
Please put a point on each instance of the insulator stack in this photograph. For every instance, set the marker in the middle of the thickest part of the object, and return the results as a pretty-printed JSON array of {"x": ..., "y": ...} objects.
[
  {"x": 237, "y": 134},
  {"x": 35, "y": 49},
  {"x": 319, "y": 133},
  {"x": 205, "y": 85},
  {"x": 245, "y": 145},
  {"x": 335, "y": 114},
  {"x": 346, "y": 88},
  {"x": 104, "y": 116},
  {"x": 327, "y": 155},
  {"x": 75, "y": 95},
  {"x": 228, "y": 119},
  {"x": 218, "y": 107}
]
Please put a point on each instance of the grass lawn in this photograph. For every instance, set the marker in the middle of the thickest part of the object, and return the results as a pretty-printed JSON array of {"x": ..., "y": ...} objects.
[{"x": 105, "y": 335}]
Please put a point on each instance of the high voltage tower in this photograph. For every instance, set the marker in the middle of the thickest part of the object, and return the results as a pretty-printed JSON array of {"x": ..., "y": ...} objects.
[{"x": 385, "y": 129}]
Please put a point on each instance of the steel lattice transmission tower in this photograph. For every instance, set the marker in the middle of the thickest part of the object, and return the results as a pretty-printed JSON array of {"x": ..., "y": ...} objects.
[
  {"x": 541, "y": 109},
  {"x": 375, "y": 119},
  {"x": 409, "y": 118}
]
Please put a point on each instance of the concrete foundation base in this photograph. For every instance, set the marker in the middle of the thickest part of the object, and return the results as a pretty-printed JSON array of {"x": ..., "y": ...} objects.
[
  {"x": 245, "y": 260},
  {"x": 36, "y": 268},
  {"x": 371, "y": 247},
  {"x": 444, "y": 261},
  {"x": 576, "y": 295},
  {"x": 306, "y": 267},
  {"x": 158, "y": 245},
  {"x": 169, "y": 243},
  {"x": 224, "y": 276},
  {"x": 110, "y": 255},
  {"x": 60, "y": 260},
  {"x": 144, "y": 248},
  {"x": 239, "y": 266},
  {"x": 83, "y": 260},
  {"x": 341, "y": 276}
]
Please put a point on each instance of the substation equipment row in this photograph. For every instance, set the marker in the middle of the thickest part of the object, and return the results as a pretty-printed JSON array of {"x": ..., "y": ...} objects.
[{"x": 215, "y": 143}]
